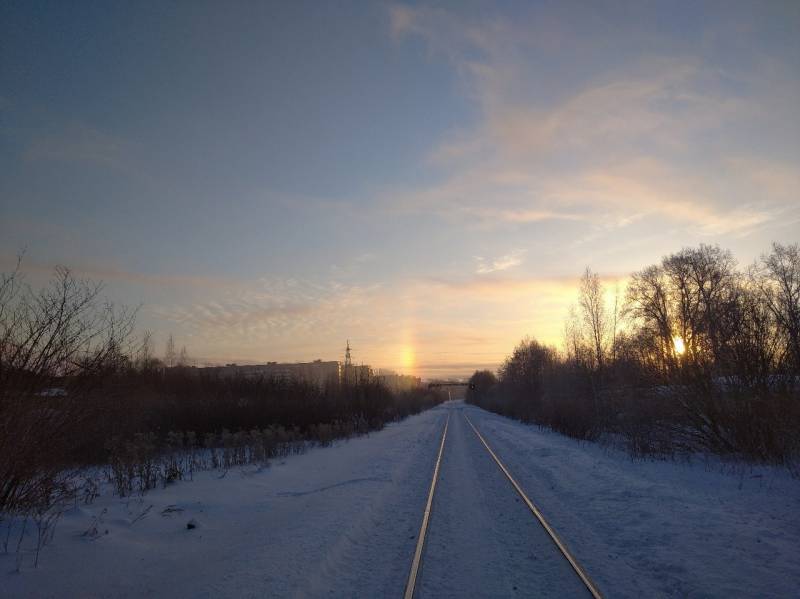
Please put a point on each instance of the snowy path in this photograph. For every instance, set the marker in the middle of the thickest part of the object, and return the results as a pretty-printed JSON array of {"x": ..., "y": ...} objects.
[{"x": 342, "y": 522}]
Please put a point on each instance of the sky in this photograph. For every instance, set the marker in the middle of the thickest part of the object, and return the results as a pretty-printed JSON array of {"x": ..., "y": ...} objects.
[{"x": 428, "y": 180}]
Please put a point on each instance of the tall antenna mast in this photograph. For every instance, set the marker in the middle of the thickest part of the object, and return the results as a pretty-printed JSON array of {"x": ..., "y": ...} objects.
[{"x": 347, "y": 360}]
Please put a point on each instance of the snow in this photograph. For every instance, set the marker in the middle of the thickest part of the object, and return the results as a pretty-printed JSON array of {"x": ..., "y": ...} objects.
[
  {"x": 342, "y": 522},
  {"x": 644, "y": 528},
  {"x": 483, "y": 541},
  {"x": 337, "y": 522}
]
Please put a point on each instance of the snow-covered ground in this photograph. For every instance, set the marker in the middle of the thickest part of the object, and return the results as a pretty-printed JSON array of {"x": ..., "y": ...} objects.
[
  {"x": 645, "y": 529},
  {"x": 342, "y": 522},
  {"x": 482, "y": 540},
  {"x": 338, "y": 522}
]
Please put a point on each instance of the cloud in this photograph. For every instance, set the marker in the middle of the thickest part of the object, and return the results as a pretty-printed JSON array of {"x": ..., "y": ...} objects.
[
  {"x": 272, "y": 311},
  {"x": 499, "y": 287},
  {"x": 483, "y": 196},
  {"x": 453, "y": 324},
  {"x": 401, "y": 20},
  {"x": 518, "y": 215},
  {"x": 651, "y": 188},
  {"x": 111, "y": 274},
  {"x": 296, "y": 319},
  {"x": 638, "y": 139},
  {"x": 510, "y": 260}
]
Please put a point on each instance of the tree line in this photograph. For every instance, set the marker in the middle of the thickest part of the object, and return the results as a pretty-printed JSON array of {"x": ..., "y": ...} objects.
[
  {"x": 76, "y": 389},
  {"x": 695, "y": 354}
]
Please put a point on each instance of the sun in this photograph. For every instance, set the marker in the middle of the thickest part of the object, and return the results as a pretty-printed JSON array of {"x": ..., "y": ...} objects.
[{"x": 679, "y": 345}]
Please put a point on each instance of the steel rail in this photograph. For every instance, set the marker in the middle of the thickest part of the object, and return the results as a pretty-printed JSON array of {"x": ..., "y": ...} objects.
[
  {"x": 552, "y": 533},
  {"x": 412, "y": 576}
]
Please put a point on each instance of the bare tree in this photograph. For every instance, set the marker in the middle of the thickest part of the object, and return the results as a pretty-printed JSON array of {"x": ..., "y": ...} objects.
[
  {"x": 648, "y": 306},
  {"x": 698, "y": 305},
  {"x": 595, "y": 317},
  {"x": 183, "y": 357},
  {"x": 691, "y": 296},
  {"x": 704, "y": 286},
  {"x": 574, "y": 341},
  {"x": 169, "y": 354},
  {"x": 615, "y": 324},
  {"x": 756, "y": 348},
  {"x": 523, "y": 374},
  {"x": 780, "y": 284},
  {"x": 144, "y": 354},
  {"x": 56, "y": 346}
]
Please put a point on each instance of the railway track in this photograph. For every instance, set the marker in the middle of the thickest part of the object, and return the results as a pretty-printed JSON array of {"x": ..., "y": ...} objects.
[
  {"x": 411, "y": 585},
  {"x": 413, "y": 577}
]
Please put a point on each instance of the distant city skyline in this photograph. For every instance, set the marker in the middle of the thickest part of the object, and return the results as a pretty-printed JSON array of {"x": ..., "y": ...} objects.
[{"x": 428, "y": 180}]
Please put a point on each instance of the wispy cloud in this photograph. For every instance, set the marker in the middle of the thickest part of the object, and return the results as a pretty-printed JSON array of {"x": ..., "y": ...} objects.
[
  {"x": 643, "y": 188},
  {"x": 113, "y": 274},
  {"x": 485, "y": 266},
  {"x": 294, "y": 319},
  {"x": 272, "y": 311},
  {"x": 609, "y": 148}
]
